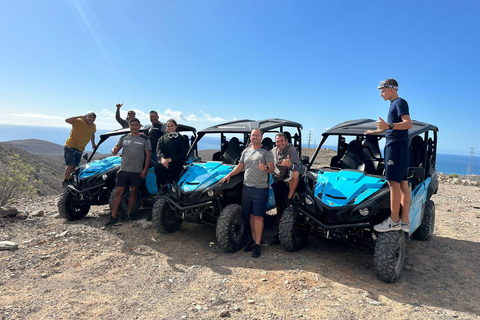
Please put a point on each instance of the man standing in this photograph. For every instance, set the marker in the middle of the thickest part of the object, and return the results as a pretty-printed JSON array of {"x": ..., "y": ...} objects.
[
  {"x": 130, "y": 116},
  {"x": 258, "y": 163},
  {"x": 154, "y": 133},
  {"x": 134, "y": 168},
  {"x": 83, "y": 130},
  {"x": 397, "y": 156},
  {"x": 285, "y": 176}
]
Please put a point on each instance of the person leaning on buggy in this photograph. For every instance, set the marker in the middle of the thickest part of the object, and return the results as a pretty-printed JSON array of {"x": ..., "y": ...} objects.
[{"x": 171, "y": 152}]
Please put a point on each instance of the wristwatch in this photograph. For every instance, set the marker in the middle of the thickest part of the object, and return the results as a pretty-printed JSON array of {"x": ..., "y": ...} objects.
[
  {"x": 390, "y": 126},
  {"x": 267, "y": 167}
]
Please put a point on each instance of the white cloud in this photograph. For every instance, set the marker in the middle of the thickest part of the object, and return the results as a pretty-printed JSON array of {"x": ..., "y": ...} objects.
[
  {"x": 106, "y": 117},
  {"x": 36, "y": 115},
  {"x": 206, "y": 117}
]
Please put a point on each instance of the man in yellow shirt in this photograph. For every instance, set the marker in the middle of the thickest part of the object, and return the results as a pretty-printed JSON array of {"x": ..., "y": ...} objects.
[{"x": 83, "y": 130}]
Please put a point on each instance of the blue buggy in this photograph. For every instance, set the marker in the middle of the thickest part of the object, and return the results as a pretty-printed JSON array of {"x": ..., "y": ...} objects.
[
  {"x": 345, "y": 200},
  {"x": 93, "y": 183},
  {"x": 199, "y": 197}
]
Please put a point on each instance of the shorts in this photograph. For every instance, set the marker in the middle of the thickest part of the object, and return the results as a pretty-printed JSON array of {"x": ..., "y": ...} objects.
[
  {"x": 125, "y": 179},
  {"x": 254, "y": 201},
  {"x": 397, "y": 159},
  {"x": 280, "y": 191},
  {"x": 72, "y": 156}
]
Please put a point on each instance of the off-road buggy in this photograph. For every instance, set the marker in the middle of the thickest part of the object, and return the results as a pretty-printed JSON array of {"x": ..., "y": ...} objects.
[
  {"x": 199, "y": 196},
  {"x": 94, "y": 182},
  {"x": 345, "y": 200}
]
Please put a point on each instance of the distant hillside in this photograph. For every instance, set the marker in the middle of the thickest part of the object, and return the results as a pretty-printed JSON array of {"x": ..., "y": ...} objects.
[
  {"x": 49, "y": 168},
  {"x": 36, "y": 146}
]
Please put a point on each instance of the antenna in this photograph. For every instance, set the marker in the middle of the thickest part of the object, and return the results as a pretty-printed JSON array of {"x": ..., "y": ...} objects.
[
  {"x": 309, "y": 138},
  {"x": 470, "y": 165}
]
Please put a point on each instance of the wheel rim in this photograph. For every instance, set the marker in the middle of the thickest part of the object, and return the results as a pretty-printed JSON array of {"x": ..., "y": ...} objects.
[
  {"x": 170, "y": 215},
  {"x": 75, "y": 206},
  {"x": 125, "y": 200},
  {"x": 238, "y": 228},
  {"x": 299, "y": 231}
]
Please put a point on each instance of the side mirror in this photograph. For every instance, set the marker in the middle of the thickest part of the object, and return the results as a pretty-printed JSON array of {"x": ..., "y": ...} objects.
[
  {"x": 305, "y": 160},
  {"x": 192, "y": 160},
  {"x": 416, "y": 172}
]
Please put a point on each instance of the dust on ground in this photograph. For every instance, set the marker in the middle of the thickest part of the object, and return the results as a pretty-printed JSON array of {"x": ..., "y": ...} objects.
[{"x": 75, "y": 270}]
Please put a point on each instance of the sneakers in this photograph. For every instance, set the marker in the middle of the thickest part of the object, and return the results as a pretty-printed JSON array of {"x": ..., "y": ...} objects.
[
  {"x": 129, "y": 217},
  {"x": 405, "y": 226},
  {"x": 388, "y": 225},
  {"x": 111, "y": 222},
  {"x": 275, "y": 241},
  {"x": 65, "y": 183},
  {"x": 249, "y": 246},
  {"x": 256, "y": 251}
]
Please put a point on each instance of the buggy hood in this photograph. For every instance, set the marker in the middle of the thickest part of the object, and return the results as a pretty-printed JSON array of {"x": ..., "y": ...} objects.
[{"x": 346, "y": 187}]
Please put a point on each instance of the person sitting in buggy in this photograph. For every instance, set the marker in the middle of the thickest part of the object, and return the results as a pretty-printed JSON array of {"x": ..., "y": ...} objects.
[{"x": 171, "y": 151}]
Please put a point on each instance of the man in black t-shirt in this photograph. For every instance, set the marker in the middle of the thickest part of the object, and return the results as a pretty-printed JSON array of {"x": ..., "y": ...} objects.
[
  {"x": 155, "y": 131},
  {"x": 397, "y": 156}
]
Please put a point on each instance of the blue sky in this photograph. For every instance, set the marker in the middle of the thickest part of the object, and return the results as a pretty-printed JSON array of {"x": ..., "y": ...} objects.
[{"x": 205, "y": 62}]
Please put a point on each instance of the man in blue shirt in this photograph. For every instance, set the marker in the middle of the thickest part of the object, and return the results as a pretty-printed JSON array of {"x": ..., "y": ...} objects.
[{"x": 397, "y": 156}]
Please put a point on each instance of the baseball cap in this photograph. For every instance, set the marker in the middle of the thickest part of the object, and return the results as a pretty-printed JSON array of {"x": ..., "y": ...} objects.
[{"x": 389, "y": 83}]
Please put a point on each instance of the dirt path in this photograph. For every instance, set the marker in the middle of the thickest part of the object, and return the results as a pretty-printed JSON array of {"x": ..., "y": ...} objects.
[{"x": 74, "y": 270}]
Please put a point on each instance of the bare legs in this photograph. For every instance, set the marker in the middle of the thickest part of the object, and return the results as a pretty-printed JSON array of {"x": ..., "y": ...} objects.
[
  {"x": 118, "y": 199},
  {"x": 256, "y": 224},
  {"x": 399, "y": 195}
]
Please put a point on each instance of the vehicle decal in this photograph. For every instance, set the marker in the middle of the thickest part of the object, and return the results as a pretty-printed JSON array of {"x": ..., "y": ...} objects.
[
  {"x": 202, "y": 175},
  {"x": 345, "y": 187},
  {"x": 100, "y": 166}
]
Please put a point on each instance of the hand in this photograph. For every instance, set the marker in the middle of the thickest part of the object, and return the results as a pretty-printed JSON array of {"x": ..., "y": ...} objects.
[
  {"x": 370, "y": 132},
  {"x": 119, "y": 105},
  {"x": 164, "y": 162},
  {"x": 382, "y": 125},
  {"x": 225, "y": 179},
  {"x": 143, "y": 174},
  {"x": 261, "y": 166},
  {"x": 286, "y": 162},
  {"x": 94, "y": 146}
]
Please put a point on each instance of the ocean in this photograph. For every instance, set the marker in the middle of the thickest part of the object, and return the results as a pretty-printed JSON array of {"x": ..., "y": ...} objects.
[{"x": 446, "y": 163}]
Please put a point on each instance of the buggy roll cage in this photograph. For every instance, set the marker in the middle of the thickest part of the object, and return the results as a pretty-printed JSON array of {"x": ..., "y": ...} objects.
[
  {"x": 359, "y": 126},
  {"x": 143, "y": 129}
]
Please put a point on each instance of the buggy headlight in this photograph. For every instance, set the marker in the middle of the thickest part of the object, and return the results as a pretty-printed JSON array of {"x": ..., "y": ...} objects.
[
  {"x": 364, "y": 212},
  {"x": 308, "y": 200},
  {"x": 104, "y": 176},
  {"x": 210, "y": 193}
]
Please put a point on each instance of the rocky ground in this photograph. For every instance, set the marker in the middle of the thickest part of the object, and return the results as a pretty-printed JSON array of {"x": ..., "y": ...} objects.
[{"x": 75, "y": 270}]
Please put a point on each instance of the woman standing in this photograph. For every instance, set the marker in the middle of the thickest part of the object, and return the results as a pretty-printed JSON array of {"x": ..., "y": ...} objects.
[{"x": 171, "y": 151}]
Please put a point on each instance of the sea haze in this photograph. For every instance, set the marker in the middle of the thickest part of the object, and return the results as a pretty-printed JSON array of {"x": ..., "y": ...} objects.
[{"x": 446, "y": 163}]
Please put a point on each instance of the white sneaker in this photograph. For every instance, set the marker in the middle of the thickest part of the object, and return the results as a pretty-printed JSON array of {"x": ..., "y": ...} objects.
[
  {"x": 388, "y": 225},
  {"x": 405, "y": 226}
]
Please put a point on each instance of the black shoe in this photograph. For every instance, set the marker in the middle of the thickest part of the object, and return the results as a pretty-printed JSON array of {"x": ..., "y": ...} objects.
[
  {"x": 249, "y": 246},
  {"x": 111, "y": 222},
  {"x": 256, "y": 251},
  {"x": 275, "y": 241},
  {"x": 65, "y": 183},
  {"x": 129, "y": 218}
]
